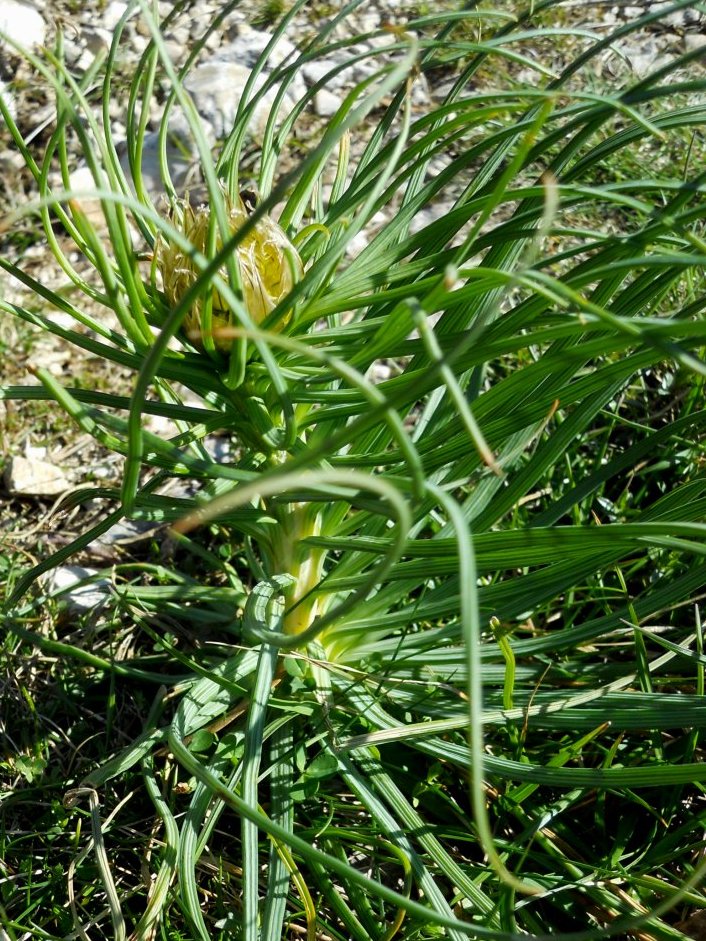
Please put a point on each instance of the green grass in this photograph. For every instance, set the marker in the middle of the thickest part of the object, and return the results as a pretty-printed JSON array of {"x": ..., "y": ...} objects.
[{"x": 423, "y": 657}]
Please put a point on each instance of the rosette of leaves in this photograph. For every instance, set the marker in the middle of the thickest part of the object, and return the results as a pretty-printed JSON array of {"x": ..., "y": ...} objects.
[{"x": 407, "y": 631}]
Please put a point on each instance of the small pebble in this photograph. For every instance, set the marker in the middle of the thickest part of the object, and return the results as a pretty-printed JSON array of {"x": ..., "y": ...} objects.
[{"x": 32, "y": 478}]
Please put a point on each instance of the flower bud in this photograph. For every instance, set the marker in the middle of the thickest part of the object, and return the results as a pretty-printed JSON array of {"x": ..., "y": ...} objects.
[{"x": 269, "y": 267}]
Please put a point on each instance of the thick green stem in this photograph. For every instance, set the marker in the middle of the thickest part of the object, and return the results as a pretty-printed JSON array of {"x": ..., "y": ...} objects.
[{"x": 297, "y": 522}]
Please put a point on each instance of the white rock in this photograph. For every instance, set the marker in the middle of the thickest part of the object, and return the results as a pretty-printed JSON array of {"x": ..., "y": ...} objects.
[
  {"x": 159, "y": 425},
  {"x": 379, "y": 372},
  {"x": 22, "y": 23},
  {"x": 382, "y": 41},
  {"x": 326, "y": 103},
  {"x": 176, "y": 51},
  {"x": 249, "y": 44},
  {"x": 430, "y": 214},
  {"x": 218, "y": 448},
  {"x": 103, "y": 471},
  {"x": 25, "y": 477},
  {"x": 378, "y": 220},
  {"x": 314, "y": 71},
  {"x": 644, "y": 56},
  {"x": 61, "y": 319},
  {"x": 247, "y": 47},
  {"x": 438, "y": 164},
  {"x": 362, "y": 239},
  {"x": 678, "y": 19},
  {"x": 421, "y": 94},
  {"x": 113, "y": 13},
  {"x": 178, "y": 35},
  {"x": 216, "y": 88},
  {"x": 35, "y": 452},
  {"x": 177, "y": 44},
  {"x": 363, "y": 70},
  {"x": 694, "y": 41},
  {"x": 8, "y": 99},
  {"x": 356, "y": 245},
  {"x": 81, "y": 182},
  {"x": 178, "y": 160},
  {"x": 213, "y": 42},
  {"x": 73, "y": 50},
  {"x": 139, "y": 43},
  {"x": 97, "y": 42},
  {"x": 142, "y": 28},
  {"x": 368, "y": 22},
  {"x": 127, "y": 531},
  {"x": 81, "y": 598}
]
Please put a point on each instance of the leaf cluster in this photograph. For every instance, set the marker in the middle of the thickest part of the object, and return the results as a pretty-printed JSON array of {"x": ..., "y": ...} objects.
[{"x": 444, "y": 672}]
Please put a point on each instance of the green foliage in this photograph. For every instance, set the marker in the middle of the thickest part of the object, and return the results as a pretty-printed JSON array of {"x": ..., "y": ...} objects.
[
  {"x": 268, "y": 13},
  {"x": 447, "y": 677}
]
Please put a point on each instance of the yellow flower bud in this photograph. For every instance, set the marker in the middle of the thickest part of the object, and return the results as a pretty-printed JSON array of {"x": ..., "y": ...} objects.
[{"x": 269, "y": 267}]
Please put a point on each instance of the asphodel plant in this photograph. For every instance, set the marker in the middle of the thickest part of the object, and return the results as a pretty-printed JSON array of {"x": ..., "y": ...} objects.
[
  {"x": 367, "y": 582},
  {"x": 268, "y": 267}
]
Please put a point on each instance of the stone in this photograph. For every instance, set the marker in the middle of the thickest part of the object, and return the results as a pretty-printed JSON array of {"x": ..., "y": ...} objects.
[
  {"x": 138, "y": 43},
  {"x": 81, "y": 183},
  {"x": 179, "y": 35},
  {"x": 113, "y": 13},
  {"x": 326, "y": 103},
  {"x": 97, "y": 43},
  {"x": 32, "y": 478},
  {"x": 428, "y": 215},
  {"x": 368, "y": 22},
  {"x": 21, "y": 23},
  {"x": 216, "y": 88},
  {"x": 82, "y": 597},
  {"x": 380, "y": 371},
  {"x": 686, "y": 18},
  {"x": 176, "y": 51},
  {"x": 36, "y": 452},
  {"x": 357, "y": 244},
  {"x": 247, "y": 47},
  {"x": 8, "y": 99},
  {"x": 249, "y": 44},
  {"x": 361, "y": 240},
  {"x": 127, "y": 531},
  {"x": 421, "y": 93},
  {"x": 179, "y": 161},
  {"x": 644, "y": 56},
  {"x": 73, "y": 50},
  {"x": 314, "y": 71},
  {"x": 142, "y": 28},
  {"x": 219, "y": 449},
  {"x": 694, "y": 41},
  {"x": 97, "y": 39},
  {"x": 317, "y": 70},
  {"x": 212, "y": 42}
]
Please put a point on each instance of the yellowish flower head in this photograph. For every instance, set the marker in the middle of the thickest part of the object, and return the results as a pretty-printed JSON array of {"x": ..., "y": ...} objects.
[{"x": 269, "y": 267}]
